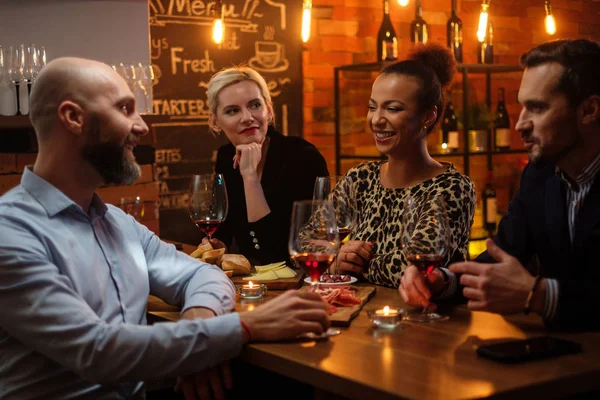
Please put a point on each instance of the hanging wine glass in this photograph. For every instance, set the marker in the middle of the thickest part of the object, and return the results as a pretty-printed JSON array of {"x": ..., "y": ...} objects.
[
  {"x": 2, "y": 65},
  {"x": 425, "y": 240},
  {"x": 15, "y": 71}
]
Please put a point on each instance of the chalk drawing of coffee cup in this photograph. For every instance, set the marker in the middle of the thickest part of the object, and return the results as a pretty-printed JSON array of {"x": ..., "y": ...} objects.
[{"x": 269, "y": 56}]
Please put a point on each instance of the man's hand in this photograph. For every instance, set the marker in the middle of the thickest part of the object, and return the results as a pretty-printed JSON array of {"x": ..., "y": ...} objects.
[
  {"x": 353, "y": 257},
  {"x": 288, "y": 316},
  {"x": 500, "y": 288},
  {"x": 209, "y": 384},
  {"x": 416, "y": 289}
]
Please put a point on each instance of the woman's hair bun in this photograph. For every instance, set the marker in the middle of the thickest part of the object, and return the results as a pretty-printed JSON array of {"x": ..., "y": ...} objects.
[{"x": 438, "y": 58}]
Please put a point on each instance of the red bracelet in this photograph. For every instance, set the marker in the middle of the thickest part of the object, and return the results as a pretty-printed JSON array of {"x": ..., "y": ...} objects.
[{"x": 245, "y": 328}]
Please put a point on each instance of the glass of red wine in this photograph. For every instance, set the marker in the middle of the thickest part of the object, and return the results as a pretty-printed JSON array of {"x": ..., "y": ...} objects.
[
  {"x": 341, "y": 192},
  {"x": 208, "y": 203},
  {"x": 425, "y": 240},
  {"x": 314, "y": 238}
]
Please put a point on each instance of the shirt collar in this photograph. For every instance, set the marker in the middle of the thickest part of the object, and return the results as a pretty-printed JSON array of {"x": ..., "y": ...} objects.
[
  {"x": 53, "y": 200},
  {"x": 587, "y": 174}
]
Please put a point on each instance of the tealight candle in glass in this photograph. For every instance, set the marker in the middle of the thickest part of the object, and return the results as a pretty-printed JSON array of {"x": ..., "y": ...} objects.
[
  {"x": 386, "y": 317},
  {"x": 252, "y": 291}
]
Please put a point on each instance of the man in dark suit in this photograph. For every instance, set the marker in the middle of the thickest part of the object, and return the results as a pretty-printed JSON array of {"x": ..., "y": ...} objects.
[{"x": 555, "y": 215}]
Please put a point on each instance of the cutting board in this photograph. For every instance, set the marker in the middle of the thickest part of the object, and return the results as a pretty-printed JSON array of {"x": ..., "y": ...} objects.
[
  {"x": 344, "y": 315},
  {"x": 277, "y": 284}
]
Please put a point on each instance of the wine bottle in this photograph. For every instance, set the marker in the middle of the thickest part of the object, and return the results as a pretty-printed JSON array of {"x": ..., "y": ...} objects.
[
  {"x": 485, "y": 54},
  {"x": 454, "y": 34},
  {"x": 501, "y": 124},
  {"x": 450, "y": 127},
  {"x": 387, "y": 41},
  {"x": 489, "y": 205},
  {"x": 419, "y": 31}
]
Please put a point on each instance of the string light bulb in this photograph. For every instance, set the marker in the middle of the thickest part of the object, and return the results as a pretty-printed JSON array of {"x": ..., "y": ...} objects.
[
  {"x": 549, "y": 21},
  {"x": 306, "y": 11},
  {"x": 403, "y": 3},
  {"x": 483, "y": 21},
  {"x": 218, "y": 24}
]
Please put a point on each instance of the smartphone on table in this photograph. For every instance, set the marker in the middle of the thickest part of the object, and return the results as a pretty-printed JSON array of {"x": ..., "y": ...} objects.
[{"x": 519, "y": 350}]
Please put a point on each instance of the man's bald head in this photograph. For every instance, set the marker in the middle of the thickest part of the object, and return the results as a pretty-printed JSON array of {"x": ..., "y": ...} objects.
[{"x": 75, "y": 79}]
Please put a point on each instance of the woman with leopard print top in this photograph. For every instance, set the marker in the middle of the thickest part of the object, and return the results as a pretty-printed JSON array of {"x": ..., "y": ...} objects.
[{"x": 405, "y": 106}]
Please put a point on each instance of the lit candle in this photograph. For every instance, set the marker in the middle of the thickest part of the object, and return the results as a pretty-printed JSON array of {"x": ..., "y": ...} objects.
[
  {"x": 252, "y": 291},
  {"x": 386, "y": 317}
]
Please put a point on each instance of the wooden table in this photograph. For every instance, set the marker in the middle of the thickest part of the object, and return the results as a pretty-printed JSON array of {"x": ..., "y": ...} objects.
[{"x": 426, "y": 361}]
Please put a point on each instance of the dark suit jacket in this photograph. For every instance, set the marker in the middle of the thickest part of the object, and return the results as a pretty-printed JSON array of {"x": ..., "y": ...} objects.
[
  {"x": 291, "y": 166},
  {"x": 536, "y": 225}
]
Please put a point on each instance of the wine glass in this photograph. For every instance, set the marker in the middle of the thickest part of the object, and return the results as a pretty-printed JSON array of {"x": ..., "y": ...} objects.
[
  {"x": 425, "y": 240},
  {"x": 14, "y": 64},
  {"x": 340, "y": 191},
  {"x": 314, "y": 238},
  {"x": 208, "y": 202},
  {"x": 133, "y": 206},
  {"x": 31, "y": 65},
  {"x": 2, "y": 65}
]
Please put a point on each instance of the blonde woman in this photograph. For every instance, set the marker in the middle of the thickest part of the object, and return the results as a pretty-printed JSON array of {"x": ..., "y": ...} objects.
[{"x": 265, "y": 172}]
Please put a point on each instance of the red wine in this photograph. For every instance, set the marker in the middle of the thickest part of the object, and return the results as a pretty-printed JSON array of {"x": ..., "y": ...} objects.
[
  {"x": 387, "y": 41},
  {"x": 315, "y": 264},
  {"x": 343, "y": 232},
  {"x": 502, "y": 124},
  {"x": 426, "y": 263},
  {"x": 208, "y": 226},
  {"x": 489, "y": 205},
  {"x": 454, "y": 34},
  {"x": 419, "y": 31}
]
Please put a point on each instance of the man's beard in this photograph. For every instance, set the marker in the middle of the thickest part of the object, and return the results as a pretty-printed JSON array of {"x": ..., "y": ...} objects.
[{"x": 108, "y": 158}]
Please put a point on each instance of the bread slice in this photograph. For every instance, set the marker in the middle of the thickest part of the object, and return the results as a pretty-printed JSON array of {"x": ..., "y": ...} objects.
[
  {"x": 213, "y": 256},
  {"x": 236, "y": 263},
  {"x": 203, "y": 248}
]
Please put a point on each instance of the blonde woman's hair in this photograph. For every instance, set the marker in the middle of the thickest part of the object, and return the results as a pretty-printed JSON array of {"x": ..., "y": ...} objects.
[{"x": 229, "y": 76}]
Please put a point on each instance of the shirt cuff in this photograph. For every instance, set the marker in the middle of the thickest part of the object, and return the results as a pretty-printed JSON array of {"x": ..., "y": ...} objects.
[
  {"x": 450, "y": 287},
  {"x": 551, "y": 302}
]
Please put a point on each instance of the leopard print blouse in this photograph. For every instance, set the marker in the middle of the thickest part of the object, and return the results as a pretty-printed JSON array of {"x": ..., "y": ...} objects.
[{"x": 380, "y": 210}]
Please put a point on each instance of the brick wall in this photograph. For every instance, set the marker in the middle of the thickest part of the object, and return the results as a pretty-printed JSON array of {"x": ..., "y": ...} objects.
[{"x": 344, "y": 32}]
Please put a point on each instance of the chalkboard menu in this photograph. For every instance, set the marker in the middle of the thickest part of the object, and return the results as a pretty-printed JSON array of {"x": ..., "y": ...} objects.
[{"x": 262, "y": 34}]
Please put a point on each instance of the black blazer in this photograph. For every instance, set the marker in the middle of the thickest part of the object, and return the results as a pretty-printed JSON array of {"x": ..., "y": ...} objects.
[
  {"x": 291, "y": 166},
  {"x": 536, "y": 225}
]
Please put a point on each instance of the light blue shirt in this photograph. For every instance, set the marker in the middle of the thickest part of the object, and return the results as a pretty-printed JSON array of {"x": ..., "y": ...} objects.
[{"x": 73, "y": 293}]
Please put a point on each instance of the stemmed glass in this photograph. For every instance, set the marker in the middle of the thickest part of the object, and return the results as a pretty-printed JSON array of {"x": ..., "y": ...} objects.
[
  {"x": 340, "y": 191},
  {"x": 2, "y": 65},
  {"x": 31, "y": 65},
  {"x": 147, "y": 78},
  {"x": 425, "y": 240},
  {"x": 314, "y": 238},
  {"x": 208, "y": 202},
  {"x": 133, "y": 206},
  {"x": 15, "y": 63}
]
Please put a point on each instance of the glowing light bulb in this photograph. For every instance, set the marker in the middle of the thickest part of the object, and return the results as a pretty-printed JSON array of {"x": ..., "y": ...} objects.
[
  {"x": 218, "y": 28},
  {"x": 549, "y": 21},
  {"x": 306, "y": 11},
  {"x": 483, "y": 21},
  {"x": 403, "y": 3}
]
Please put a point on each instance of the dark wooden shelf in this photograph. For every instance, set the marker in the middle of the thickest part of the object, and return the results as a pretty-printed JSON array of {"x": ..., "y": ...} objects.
[{"x": 471, "y": 68}]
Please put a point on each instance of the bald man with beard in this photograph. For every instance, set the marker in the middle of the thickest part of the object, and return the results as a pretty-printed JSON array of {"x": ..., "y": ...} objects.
[{"x": 75, "y": 273}]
